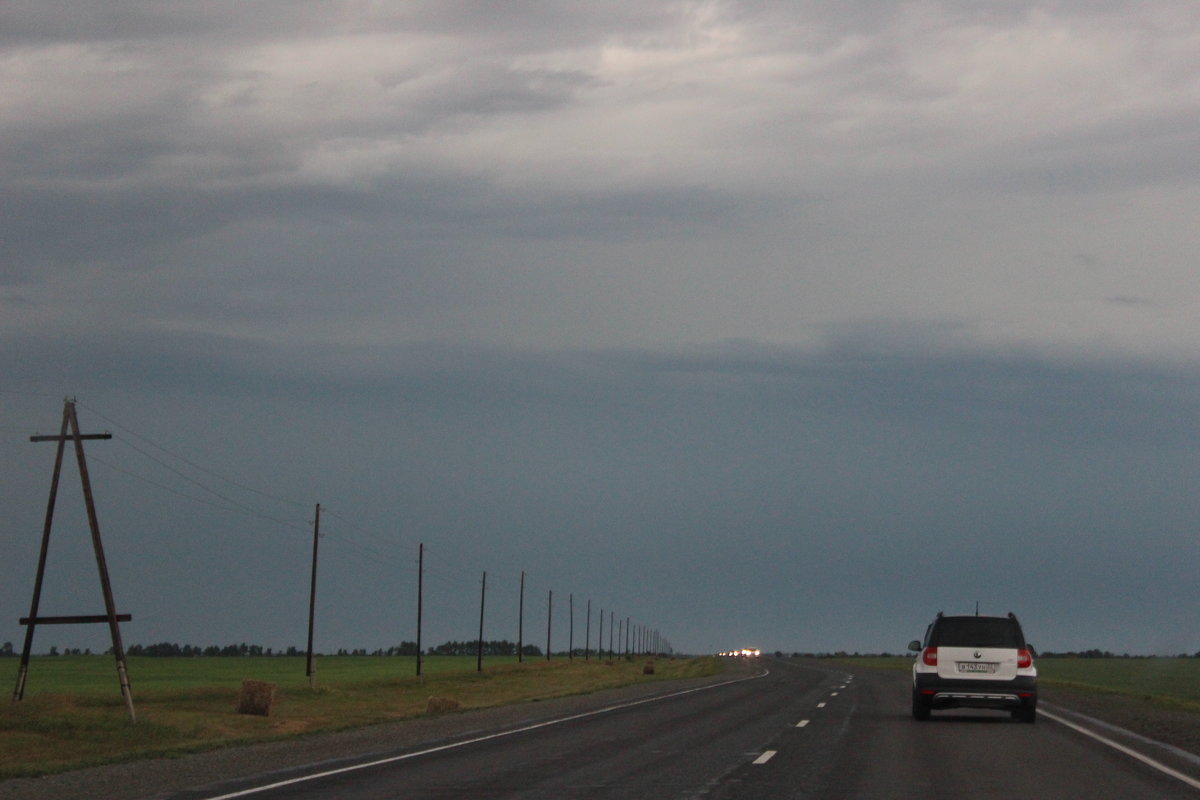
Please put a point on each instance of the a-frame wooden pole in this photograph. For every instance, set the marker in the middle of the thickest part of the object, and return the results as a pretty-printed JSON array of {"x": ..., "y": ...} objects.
[{"x": 71, "y": 421}]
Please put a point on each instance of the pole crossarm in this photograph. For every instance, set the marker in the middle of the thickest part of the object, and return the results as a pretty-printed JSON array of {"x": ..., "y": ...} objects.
[
  {"x": 78, "y": 620},
  {"x": 84, "y": 436}
]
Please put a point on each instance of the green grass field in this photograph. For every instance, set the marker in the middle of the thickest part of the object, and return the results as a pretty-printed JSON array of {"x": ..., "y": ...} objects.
[
  {"x": 1169, "y": 682},
  {"x": 73, "y": 714},
  {"x": 97, "y": 675}
]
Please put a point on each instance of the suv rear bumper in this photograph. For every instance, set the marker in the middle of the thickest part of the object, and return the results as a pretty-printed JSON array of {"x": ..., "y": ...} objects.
[{"x": 1020, "y": 692}]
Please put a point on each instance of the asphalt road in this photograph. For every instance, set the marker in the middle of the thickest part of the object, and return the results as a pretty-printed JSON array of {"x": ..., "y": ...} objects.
[{"x": 785, "y": 730}]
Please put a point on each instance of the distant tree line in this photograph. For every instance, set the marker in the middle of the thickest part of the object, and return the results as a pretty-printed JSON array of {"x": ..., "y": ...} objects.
[
  {"x": 465, "y": 648},
  {"x": 7, "y": 650},
  {"x": 502, "y": 647},
  {"x": 1105, "y": 654},
  {"x": 173, "y": 650},
  {"x": 1093, "y": 653}
]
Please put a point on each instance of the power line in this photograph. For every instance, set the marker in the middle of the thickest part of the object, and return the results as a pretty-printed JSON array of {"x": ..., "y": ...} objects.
[
  {"x": 192, "y": 464},
  {"x": 379, "y": 539},
  {"x": 367, "y": 551},
  {"x": 237, "y": 508}
]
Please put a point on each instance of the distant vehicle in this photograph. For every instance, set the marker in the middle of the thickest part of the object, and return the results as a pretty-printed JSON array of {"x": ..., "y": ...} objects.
[{"x": 974, "y": 662}]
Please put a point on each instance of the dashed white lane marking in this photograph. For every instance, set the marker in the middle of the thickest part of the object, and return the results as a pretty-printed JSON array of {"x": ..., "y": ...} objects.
[
  {"x": 802, "y": 723},
  {"x": 833, "y": 694},
  {"x": 820, "y": 705},
  {"x": 1150, "y": 762},
  {"x": 765, "y": 757}
]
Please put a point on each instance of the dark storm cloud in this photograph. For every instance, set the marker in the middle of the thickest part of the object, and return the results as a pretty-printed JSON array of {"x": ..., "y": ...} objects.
[
  {"x": 808, "y": 474},
  {"x": 45, "y": 233},
  {"x": 886, "y": 303}
]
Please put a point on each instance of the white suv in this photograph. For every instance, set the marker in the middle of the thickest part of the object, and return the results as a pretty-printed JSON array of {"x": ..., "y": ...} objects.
[{"x": 974, "y": 662}]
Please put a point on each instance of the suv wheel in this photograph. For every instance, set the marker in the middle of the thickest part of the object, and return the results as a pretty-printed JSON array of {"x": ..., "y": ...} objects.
[{"x": 920, "y": 706}]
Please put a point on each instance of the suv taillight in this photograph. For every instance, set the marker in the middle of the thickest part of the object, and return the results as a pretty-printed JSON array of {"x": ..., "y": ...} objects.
[
  {"x": 929, "y": 656},
  {"x": 1024, "y": 659}
]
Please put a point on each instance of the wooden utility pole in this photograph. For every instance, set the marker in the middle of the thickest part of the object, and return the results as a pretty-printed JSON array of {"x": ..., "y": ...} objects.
[
  {"x": 521, "y": 622},
  {"x": 571, "y": 627},
  {"x": 71, "y": 421},
  {"x": 420, "y": 599},
  {"x": 587, "y": 635},
  {"x": 312, "y": 601},
  {"x": 549, "y": 616},
  {"x": 482, "y": 598},
  {"x": 611, "y": 624}
]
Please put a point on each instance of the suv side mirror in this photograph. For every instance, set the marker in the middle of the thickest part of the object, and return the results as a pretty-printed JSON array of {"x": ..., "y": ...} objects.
[
  {"x": 1032, "y": 651},
  {"x": 915, "y": 646}
]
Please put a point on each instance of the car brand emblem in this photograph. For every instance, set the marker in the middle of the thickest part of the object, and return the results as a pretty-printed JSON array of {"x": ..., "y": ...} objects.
[{"x": 978, "y": 654}]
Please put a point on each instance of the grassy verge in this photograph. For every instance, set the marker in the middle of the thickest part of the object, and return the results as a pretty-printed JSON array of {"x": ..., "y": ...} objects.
[
  {"x": 76, "y": 717},
  {"x": 1169, "y": 683}
]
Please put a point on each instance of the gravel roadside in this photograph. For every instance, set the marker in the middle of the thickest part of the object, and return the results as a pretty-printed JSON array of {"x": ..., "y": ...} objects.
[{"x": 1179, "y": 729}]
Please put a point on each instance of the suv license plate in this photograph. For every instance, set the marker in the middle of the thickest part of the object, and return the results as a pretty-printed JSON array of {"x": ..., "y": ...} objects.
[{"x": 976, "y": 666}]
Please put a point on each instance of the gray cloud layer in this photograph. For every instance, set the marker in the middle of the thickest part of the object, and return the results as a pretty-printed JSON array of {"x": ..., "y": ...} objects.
[{"x": 872, "y": 306}]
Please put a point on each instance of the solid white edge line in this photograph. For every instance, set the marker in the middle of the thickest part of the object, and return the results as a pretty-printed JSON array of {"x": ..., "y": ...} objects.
[
  {"x": 765, "y": 757},
  {"x": 1150, "y": 762},
  {"x": 392, "y": 759}
]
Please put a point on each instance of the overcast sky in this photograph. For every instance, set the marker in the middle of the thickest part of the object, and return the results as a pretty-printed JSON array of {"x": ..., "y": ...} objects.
[{"x": 772, "y": 324}]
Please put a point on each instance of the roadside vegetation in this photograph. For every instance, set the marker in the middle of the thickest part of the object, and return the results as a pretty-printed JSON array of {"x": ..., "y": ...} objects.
[
  {"x": 1165, "y": 682},
  {"x": 74, "y": 716},
  {"x": 1172, "y": 683}
]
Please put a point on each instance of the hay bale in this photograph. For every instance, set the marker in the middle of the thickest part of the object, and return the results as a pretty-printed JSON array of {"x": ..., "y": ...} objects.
[
  {"x": 648, "y": 669},
  {"x": 256, "y": 698},
  {"x": 441, "y": 705}
]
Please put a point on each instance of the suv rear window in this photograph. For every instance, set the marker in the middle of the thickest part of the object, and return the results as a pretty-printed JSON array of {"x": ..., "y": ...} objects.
[{"x": 976, "y": 632}]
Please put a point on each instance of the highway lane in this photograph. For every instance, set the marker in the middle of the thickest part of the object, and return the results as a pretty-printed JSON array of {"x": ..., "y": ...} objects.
[
  {"x": 677, "y": 746},
  {"x": 805, "y": 730},
  {"x": 881, "y": 752}
]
